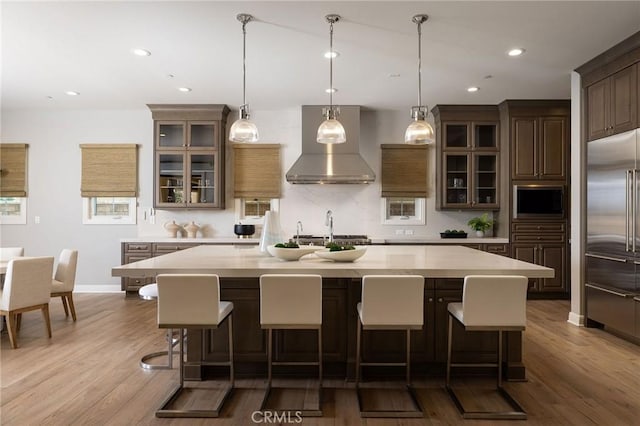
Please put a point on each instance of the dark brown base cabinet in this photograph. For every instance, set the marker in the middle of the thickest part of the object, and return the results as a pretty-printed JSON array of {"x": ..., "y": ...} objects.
[
  {"x": 547, "y": 249},
  {"x": 340, "y": 297}
]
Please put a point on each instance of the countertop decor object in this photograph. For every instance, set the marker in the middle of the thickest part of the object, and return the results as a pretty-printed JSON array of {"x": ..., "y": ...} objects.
[
  {"x": 244, "y": 231},
  {"x": 480, "y": 224},
  {"x": 271, "y": 233},
  {"x": 172, "y": 228},
  {"x": 453, "y": 234},
  {"x": 286, "y": 253},
  {"x": 192, "y": 229},
  {"x": 342, "y": 255}
]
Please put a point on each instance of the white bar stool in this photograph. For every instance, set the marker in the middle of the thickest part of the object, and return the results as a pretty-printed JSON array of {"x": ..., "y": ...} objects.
[
  {"x": 489, "y": 303},
  {"x": 390, "y": 302},
  {"x": 291, "y": 301},
  {"x": 193, "y": 301},
  {"x": 150, "y": 292}
]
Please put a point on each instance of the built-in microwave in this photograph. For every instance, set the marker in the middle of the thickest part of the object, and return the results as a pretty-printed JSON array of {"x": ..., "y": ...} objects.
[{"x": 538, "y": 201}]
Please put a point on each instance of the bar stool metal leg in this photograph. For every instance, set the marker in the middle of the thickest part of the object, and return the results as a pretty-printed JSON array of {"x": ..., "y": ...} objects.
[
  {"x": 517, "y": 412},
  {"x": 312, "y": 412},
  {"x": 417, "y": 411},
  {"x": 172, "y": 342}
]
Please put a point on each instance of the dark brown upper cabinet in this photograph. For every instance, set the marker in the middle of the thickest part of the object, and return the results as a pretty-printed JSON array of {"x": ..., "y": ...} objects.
[
  {"x": 467, "y": 157},
  {"x": 612, "y": 104},
  {"x": 189, "y": 148},
  {"x": 539, "y": 147}
]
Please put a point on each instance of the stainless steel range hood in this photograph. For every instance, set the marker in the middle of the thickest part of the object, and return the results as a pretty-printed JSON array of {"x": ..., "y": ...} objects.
[{"x": 339, "y": 163}]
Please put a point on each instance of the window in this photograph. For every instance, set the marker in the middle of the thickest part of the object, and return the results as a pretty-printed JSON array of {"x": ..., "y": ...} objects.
[
  {"x": 13, "y": 210},
  {"x": 250, "y": 211},
  {"x": 109, "y": 210},
  {"x": 403, "y": 211}
]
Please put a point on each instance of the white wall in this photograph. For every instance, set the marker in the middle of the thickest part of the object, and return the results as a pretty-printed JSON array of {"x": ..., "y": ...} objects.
[{"x": 54, "y": 185}]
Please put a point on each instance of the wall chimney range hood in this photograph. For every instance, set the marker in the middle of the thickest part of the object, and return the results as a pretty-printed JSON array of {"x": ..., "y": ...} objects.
[{"x": 338, "y": 163}]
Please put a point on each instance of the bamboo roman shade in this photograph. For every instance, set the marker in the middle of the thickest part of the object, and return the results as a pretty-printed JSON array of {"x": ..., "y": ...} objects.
[
  {"x": 109, "y": 170},
  {"x": 257, "y": 172},
  {"x": 13, "y": 170},
  {"x": 404, "y": 170}
]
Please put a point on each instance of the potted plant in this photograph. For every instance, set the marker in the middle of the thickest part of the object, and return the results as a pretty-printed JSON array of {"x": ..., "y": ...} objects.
[{"x": 480, "y": 224}]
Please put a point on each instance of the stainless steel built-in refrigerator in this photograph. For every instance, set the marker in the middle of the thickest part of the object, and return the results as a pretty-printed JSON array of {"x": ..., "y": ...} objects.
[{"x": 613, "y": 232}]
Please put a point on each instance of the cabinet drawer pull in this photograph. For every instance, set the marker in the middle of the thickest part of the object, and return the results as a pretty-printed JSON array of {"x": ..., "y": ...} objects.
[
  {"x": 430, "y": 299},
  {"x": 440, "y": 300}
]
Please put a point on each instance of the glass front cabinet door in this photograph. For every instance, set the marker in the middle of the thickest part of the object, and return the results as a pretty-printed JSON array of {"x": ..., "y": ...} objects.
[
  {"x": 468, "y": 157},
  {"x": 189, "y": 156}
]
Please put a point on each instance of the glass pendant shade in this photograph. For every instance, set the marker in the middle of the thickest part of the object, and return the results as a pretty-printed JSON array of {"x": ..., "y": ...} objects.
[
  {"x": 331, "y": 131},
  {"x": 419, "y": 132},
  {"x": 243, "y": 130}
]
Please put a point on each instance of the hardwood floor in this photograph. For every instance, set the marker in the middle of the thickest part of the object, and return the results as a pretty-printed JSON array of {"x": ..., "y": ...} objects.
[{"x": 88, "y": 374}]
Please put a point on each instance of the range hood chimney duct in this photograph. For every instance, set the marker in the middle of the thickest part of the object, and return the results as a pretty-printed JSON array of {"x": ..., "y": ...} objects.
[{"x": 337, "y": 163}]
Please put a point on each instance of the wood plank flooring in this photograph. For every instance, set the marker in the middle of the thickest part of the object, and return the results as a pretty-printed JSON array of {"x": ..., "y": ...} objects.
[{"x": 88, "y": 374}]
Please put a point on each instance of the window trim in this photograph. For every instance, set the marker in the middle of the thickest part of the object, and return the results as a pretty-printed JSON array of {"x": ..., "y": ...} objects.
[
  {"x": 252, "y": 220},
  {"x": 418, "y": 219},
  {"x": 88, "y": 219},
  {"x": 16, "y": 220}
]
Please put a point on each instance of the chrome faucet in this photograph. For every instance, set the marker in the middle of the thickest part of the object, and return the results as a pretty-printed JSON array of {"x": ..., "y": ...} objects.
[
  {"x": 329, "y": 222},
  {"x": 298, "y": 231}
]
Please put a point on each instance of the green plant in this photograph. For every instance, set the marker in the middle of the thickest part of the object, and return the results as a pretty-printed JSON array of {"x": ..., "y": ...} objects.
[{"x": 480, "y": 223}]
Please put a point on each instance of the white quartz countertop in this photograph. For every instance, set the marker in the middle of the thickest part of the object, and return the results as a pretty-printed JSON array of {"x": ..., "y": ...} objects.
[
  {"x": 203, "y": 240},
  {"x": 431, "y": 261}
]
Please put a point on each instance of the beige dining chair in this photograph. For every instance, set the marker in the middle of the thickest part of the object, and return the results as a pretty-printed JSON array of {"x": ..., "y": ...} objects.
[
  {"x": 26, "y": 288},
  {"x": 8, "y": 253},
  {"x": 65, "y": 279}
]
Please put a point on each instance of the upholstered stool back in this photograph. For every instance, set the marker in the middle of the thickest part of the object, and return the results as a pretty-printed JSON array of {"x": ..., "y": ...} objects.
[
  {"x": 392, "y": 300},
  {"x": 288, "y": 300},
  {"x": 495, "y": 300},
  {"x": 186, "y": 300}
]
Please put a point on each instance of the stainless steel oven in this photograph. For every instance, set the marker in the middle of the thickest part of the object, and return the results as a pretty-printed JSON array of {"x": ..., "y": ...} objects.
[{"x": 538, "y": 201}]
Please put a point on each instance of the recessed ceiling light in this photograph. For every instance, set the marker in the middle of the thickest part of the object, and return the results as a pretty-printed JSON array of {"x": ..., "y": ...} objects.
[
  {"x": 141, "y": 52},
  {"x": 331, "y": 54},
  {"x": 472, "y": 89},
  {"x": 394, "y": 75},
  {"x": 334, "y": 90},
  {"x": 184, "y": 89},
  {"x": 72, "y": 93},
  {"x": 50, "y": 98},
  {"x": 516, "y": 51}
]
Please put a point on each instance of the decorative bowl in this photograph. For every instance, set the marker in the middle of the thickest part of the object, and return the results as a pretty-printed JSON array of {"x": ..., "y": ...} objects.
[
  {"x": 342, "y": 255},
  {"x": 291, "y": 253}
]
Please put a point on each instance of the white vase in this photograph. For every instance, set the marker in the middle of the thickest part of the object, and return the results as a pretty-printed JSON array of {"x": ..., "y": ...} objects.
[
  {"x": 480, "y": 234},
  {"x": 271, "y": 233}
]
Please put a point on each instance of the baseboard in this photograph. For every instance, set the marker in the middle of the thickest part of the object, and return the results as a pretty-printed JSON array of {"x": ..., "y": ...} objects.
[
  {"x": 576, "y": 319},
  {"x": 97, "y": 288}
]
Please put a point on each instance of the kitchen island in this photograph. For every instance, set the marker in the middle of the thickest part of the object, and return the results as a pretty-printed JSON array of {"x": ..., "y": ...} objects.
[{"x": 443, "y": 267}]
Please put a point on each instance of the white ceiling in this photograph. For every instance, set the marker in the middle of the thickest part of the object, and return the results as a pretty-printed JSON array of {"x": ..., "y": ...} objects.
[{"x": 52, "y": 47}]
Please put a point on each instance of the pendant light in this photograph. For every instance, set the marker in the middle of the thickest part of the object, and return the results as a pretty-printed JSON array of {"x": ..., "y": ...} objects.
[
  {"x": 243, "y": 130},
  {"x": 419, "y": 131},
  {"x": 331, "y": 130}
]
